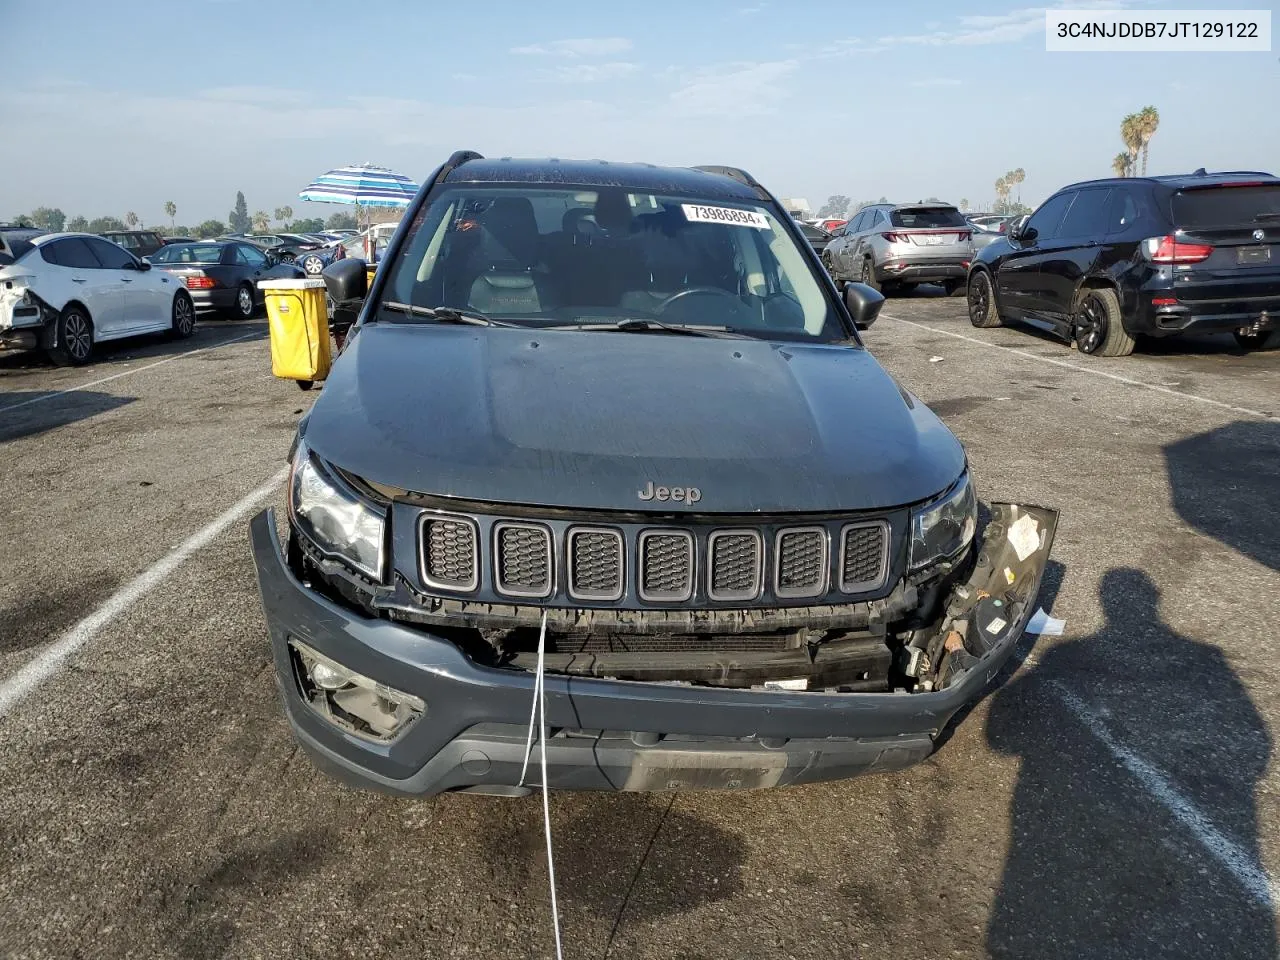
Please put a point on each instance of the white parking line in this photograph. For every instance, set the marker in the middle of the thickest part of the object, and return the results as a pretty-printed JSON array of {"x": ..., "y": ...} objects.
[
  {"x": 1235, "y": 859},
  {"x": 51, "y": 659},
  {"x": 117, "y": 376},
  {"x": 1089, "y": 370}
]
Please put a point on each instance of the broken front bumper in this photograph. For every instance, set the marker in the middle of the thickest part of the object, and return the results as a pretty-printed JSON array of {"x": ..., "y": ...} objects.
[{"x": 620, "y": 735}]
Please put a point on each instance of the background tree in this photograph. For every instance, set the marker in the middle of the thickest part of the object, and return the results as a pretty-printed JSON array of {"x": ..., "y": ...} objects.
[
  {"x": 261, "y": 222},
  {"x": 964, "y": 204},
  {"x": 312, "y": 225},
  {"x": 837, "y": 205},
  {"x": 170, "y": 211},
  {"x": 1016, "y": 178},
  {"x": 23, "y": 220},
  {"x": 210, "y": 228},
  {"x": 1148, "y": 124},
  {"x": 49, "y": 218},
  {"x": 103, "y": 224},
  {"x": 340, "y": 221},
  {"x": 78, "y": 225},
  {"x": 131, "y": 219},
  {"x": 1131, "y": 134},
  {"x": 239, "y": 220},
  {"x": 1120, "y": 164},
  {"x": 1002, "y": 193},
  {"x": 284, "y": 214}
]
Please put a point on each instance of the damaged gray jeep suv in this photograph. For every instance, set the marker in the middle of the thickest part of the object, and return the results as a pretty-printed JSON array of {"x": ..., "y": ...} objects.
[{"x": 621, "y": 410}]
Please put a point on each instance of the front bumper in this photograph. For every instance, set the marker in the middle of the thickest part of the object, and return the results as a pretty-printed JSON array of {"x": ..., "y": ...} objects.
[{"x": 617, "y": 735}]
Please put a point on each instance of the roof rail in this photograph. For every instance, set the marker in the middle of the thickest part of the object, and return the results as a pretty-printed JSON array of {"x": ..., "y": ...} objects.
[
  {"x": 457, "y": 159},
  {"x": 734, "y": 173}
]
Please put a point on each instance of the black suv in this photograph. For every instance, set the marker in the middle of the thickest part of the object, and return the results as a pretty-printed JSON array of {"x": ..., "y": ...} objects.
[
  {"x": 611, "y": 425},
  {"x": 1106, "y": 261},
  {"x": 141, "y": 243}
]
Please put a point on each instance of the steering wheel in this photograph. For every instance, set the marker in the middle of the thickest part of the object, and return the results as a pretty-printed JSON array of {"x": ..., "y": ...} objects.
[{"x": 694, "y": 291}]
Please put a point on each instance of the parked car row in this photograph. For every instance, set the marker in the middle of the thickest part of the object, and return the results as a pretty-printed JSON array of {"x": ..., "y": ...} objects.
[{"x": 66, "y": 292}]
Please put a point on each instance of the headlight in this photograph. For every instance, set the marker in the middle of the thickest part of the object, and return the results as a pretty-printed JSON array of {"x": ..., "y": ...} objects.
[
  {"x": 946, "y": 527},
  {"x": 334, "y": 517}
]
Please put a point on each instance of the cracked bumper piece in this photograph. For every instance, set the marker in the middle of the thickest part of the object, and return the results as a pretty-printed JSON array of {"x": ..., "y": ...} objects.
[{"x": 620, "y": 735}]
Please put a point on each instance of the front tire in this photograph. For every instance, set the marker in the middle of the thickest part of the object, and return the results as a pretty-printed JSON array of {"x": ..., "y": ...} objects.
[
  {"x": 982, "y": 301},
  {"x": 75, "y": 338},
  {"x": 1099, "y": 327}
]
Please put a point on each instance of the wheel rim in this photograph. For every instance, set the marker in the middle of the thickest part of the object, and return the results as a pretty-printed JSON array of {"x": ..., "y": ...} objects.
[
  {"x": 245, "y": 302},
  {"x": 184, "y": 315},
  {"x": 78, "y": 338},
  {"x": 979, "y": 298},
  {"x": 1091, "y": 326},
  {"x": 313, "y": 265}
]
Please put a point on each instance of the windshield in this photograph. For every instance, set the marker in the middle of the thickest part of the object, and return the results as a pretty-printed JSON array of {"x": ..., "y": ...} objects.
[
  {"x": 188, "y": 253},
  {"x": 543, "y": 256}
]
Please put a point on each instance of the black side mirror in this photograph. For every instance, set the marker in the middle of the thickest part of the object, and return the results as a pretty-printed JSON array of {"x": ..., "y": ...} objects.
[
  {"x": 863, "y": 303},
  {"x": 346, "y": 279}
]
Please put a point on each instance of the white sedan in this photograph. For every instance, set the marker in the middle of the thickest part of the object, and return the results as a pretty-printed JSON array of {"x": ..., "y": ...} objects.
[{"x": 65, "y": 292}]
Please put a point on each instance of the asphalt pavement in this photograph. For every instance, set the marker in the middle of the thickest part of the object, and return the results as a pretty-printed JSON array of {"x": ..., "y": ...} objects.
[{"x": 1113, "y": 796}]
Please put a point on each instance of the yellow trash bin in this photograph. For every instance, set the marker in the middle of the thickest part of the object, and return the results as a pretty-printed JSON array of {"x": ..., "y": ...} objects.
[
  {"x": 298, "y": 319},
  {"x": 370, "y": 270}
]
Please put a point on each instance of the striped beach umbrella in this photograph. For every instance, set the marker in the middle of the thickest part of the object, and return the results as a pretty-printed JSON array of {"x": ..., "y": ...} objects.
[{"x": 364, "y": 185}]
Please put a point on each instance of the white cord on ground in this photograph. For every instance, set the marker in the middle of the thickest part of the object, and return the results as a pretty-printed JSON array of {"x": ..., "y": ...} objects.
[{"x": 538, "y": 715}]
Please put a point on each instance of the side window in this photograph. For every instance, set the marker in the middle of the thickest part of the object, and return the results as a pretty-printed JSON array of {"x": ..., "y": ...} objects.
[
  {"x": 877, "y": 218},
  {"x": 76, "y": 252},
  {"x": 1045, "y": 220},
  {"x": 52, "y": 252},
  {"x": 1087, "y": 216},
  {"x": 111, "y": 256},
  {"x": 251, "y": 256},
  {"x": 860, "y": 222},
  {"x": 1122, "y": 212}
]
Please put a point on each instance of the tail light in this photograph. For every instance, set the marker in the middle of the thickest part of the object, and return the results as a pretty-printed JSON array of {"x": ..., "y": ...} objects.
[
  {"x": 200, "y": 283},
  {"x": 1164, "y": 301},
  {"x": 897, "y": 237},
  {"x": 1168, "y": 249}
]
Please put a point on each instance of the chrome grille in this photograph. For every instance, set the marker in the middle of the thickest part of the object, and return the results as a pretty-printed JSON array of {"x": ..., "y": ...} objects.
[
  {"x": 523, "y": 562},
  {"x": 801, "y": 562},
  {"x": 734, "y": 561},
  {"x": 595, "y": 564},
  {"x": 450, "y": 553},
  {"x": 864, "y": 556},
  {"x": 666, "y": 565}
]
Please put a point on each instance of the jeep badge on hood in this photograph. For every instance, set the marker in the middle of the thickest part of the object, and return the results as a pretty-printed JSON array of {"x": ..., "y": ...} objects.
[{"x": 685, "y": 494}]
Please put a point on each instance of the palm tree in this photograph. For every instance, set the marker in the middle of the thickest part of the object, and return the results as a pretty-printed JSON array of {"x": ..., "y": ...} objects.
[
  {"x": 1131, "y": 134},
  {"x": 1120, "y": 164},
  {"x": 284, "y": 214},
  {"x": 964, "y": 204},
  {"x": 261, "y": 222},
  {"x": 1148, "y": 124},
  {"x": 131, "y": 219},
  {"x": 1002, "y": 192},
  {"x": 1016, "y": 178},
  {"x": 170, "y": 211}
]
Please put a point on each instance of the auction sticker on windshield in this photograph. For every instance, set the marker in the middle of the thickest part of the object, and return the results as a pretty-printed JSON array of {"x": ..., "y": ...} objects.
[{"x": 696, "y": 213}]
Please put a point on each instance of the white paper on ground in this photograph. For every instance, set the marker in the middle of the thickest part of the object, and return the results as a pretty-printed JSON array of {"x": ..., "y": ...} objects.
[
  {"x": 1024, "y": 536},
  {"x": 936, "y": 359},
  {"x": 1044, "y": 625}
]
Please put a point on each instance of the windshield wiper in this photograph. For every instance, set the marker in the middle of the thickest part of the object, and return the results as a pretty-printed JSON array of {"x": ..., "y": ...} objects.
[
  {"x": 444, "y": 314},
  {"x": 642, "y": 325}
]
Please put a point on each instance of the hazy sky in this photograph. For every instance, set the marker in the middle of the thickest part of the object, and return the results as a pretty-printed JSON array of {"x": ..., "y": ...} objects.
[{"x": 110, "y": 107}]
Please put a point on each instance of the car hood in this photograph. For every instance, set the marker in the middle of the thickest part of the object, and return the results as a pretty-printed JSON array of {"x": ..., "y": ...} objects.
[{"x": 589, "y": 419}]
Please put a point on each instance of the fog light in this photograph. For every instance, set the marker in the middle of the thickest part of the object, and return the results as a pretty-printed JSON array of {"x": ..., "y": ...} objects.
[
  {"x": 349, "y": 700},
  {"x": 327, "y": 677}
]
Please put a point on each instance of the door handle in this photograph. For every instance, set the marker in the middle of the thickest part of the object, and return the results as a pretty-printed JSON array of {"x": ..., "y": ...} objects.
[
  {"x": 126, "y": 279},
  {"x": 77, "y": 280}
]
